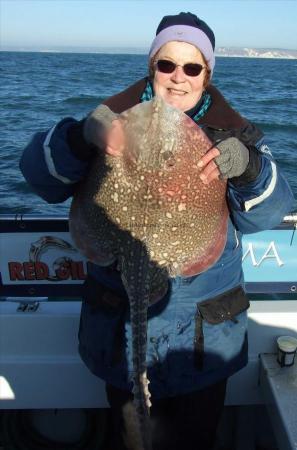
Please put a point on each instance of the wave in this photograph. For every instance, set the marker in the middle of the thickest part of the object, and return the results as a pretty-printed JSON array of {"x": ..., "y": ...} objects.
[
  {"x": 276, "y": 126},
  {"x": 38, "y": 90},
  {"x": 84, "y": 100}
]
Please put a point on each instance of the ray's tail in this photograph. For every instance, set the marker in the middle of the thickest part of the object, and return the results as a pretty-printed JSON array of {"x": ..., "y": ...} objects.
[{"x": 136, "y": 278}]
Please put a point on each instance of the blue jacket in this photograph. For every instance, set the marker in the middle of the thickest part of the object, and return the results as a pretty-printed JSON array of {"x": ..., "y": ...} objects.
[{"x": 190, "y": 345}]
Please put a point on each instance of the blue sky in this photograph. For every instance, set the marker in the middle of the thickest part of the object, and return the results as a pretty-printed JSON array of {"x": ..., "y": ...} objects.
[{"x": 50, "y": 24}]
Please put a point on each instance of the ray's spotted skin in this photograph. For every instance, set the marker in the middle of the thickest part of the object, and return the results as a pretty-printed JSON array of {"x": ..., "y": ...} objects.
[{"x": 149, "y": 210}]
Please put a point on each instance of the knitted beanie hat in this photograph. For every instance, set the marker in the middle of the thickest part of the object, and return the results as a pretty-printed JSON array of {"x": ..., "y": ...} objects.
[{"x": 186, "y": 27}]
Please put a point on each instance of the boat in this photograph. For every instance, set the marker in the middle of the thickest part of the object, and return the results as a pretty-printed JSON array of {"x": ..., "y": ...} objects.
[{"x": 42, "y": 376}]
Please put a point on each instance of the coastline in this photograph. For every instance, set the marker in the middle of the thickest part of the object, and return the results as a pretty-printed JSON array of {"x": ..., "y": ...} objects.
[
  {"x": 292, "y": 58},
  {"x": 109, "y": 52}
]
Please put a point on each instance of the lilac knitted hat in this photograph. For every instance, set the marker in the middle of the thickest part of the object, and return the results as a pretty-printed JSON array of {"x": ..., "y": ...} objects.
[{"x": 186, "y": 27}]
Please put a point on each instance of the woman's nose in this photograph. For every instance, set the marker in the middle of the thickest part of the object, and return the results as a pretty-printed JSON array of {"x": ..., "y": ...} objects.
[{"x": 178, "y": 74}]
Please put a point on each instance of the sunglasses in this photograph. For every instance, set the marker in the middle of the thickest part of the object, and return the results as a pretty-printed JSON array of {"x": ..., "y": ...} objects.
[{"x": 190, "y": 69}]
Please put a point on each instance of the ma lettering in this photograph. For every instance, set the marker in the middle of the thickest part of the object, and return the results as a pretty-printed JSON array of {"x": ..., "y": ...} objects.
[{"x": 270, "y": 252}]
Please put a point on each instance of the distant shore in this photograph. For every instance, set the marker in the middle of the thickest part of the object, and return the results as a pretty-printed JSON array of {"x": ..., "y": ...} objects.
[
  {"x": 218, "y": 55},
  {"x": 267, "y": 53},
  {"x": 226, "y": 52}
]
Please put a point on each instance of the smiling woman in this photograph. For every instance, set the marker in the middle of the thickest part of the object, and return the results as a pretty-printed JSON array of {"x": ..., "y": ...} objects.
[{"x": 197, "y": 332}]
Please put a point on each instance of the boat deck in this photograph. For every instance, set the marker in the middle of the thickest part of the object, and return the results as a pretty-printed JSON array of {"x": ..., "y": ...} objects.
[{"x": 279, "y": 387}]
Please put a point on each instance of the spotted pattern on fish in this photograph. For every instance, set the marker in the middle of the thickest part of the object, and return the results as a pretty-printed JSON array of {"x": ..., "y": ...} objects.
[{"x": 149, "y": 211}]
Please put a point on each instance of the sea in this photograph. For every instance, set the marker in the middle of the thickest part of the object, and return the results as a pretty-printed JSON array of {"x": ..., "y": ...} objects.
[{"x": 39, "y": 89}]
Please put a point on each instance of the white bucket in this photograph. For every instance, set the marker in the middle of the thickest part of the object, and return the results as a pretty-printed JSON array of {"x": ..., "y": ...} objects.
[{"x": 287, "y": 346}]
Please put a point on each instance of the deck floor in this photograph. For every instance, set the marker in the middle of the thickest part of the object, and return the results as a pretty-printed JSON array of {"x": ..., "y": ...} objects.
[{"x": 241, "y": 428}]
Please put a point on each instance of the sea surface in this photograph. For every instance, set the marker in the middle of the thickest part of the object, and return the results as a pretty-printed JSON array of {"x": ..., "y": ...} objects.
[{"x": 39, "y": 89}]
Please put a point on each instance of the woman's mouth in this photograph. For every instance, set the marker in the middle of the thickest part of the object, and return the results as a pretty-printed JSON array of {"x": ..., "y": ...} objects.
[{"x": 176, "y": 92}]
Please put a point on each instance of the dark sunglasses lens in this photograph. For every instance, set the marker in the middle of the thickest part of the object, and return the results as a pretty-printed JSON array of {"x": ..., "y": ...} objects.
[
  {"x": 192, "y": 70},
  {"x": 165, "y": 66}
]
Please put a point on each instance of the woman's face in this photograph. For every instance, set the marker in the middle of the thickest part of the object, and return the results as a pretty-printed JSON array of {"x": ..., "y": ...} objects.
[{"x": 177, "y": 88}]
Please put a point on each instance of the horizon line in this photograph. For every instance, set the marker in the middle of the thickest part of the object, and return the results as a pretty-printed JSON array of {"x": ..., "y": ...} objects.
[{"x": 138, "y": 50}]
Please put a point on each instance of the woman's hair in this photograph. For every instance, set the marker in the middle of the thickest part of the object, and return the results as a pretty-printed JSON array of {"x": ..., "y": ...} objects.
[{"x": 152, "y": 69}]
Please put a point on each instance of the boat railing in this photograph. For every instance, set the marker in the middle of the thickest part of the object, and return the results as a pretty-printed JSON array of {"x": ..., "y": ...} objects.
[{"x": 38, "y": 258}]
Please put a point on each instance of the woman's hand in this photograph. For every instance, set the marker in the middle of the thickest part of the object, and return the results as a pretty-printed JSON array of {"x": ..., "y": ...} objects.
[
  {"x": 210, "y": 170},
  {"x": 228, "y": 159},
  {"x": 115, "y": 139},
  {"x": 103, "y": 129}
]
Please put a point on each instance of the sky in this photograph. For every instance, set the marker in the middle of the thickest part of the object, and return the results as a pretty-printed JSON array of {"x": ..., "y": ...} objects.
[{"x": 124, "y": 24}]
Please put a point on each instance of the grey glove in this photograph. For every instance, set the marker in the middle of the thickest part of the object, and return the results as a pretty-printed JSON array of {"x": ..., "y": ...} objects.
[
  {"x": 97, "y": 124},
  {"x": 234, "y": 157}
]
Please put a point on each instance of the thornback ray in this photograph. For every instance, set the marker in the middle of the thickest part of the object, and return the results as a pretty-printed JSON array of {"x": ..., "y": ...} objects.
[{"x": 149, "y": 211}]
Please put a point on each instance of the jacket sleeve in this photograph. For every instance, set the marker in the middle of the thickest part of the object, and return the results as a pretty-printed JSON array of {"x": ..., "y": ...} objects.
[
  {"x": 262, "y": 203},
  {"x": 50, "y": 166}
]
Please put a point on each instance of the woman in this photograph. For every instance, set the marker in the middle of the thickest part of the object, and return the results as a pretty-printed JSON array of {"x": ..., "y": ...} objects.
[{"x": 197, "y": 333}]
